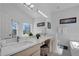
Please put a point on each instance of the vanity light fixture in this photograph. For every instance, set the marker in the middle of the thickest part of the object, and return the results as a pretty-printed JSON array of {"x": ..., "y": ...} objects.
[
  {"x": 42, "y": 14},
  {"x": 24, "y": 4},
  {"x": 28, "y": 3},
  {"x": 31, "y": 6}
]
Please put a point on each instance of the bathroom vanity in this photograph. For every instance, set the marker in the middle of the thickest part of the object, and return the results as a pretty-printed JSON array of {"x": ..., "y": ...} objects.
[
  {"x": 28, "y": 47},
  {"x": 31, "y": 51}
]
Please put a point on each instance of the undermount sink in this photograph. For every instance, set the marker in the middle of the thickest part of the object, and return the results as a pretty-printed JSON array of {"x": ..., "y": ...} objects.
[
  {"x": 16, "y": 43},
  {"x": 13, "y": 48}
]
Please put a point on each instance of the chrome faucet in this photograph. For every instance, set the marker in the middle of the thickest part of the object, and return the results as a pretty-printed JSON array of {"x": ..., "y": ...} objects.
[{"x": 18, "y": 38}]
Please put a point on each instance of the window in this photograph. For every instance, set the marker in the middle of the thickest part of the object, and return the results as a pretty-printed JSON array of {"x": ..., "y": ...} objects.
[
  {"x": 26, "y": 28},
  {"x": 49, "y": 25},
  {"x": 68, "y": 20},
  {"x": 14, "y": 29}
]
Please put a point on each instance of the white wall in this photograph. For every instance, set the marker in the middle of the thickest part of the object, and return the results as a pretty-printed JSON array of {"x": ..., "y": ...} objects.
[
  {"x": 67, "y": 32},
  {"x": 71, "y": 31},
  {"x": 42, "y": 29},
  {"x": 39, "y": 29}
]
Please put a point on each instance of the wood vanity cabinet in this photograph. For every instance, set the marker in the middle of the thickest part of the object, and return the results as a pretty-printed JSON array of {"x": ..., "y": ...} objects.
[
  {"x": 35, "y": 50},
  {"x": 32, "y": 51},
  {"x": 37, "y": 53}
]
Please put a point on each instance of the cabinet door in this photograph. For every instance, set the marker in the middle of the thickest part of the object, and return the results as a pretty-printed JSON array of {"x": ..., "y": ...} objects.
[
  {"x": 37, "y": 53},
  {"x": 29, "y": 52}
]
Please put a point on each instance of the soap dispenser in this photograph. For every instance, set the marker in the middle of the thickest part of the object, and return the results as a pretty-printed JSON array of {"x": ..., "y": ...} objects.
[{"x": 37, "y": 35}]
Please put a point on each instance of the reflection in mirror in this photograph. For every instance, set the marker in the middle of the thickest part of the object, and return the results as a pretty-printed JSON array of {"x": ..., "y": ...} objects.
[
  {"x": 26, "y": 28},
  {"x": 14, "y": 29}
]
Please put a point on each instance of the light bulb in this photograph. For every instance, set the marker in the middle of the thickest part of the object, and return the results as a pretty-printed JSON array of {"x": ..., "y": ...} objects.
[
  {"x": 28, "y": 3},
  {"x": 31, "y": 6}
]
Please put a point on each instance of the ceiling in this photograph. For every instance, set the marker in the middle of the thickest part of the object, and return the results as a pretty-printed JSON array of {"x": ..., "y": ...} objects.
[{"x": 48, "y": 8}]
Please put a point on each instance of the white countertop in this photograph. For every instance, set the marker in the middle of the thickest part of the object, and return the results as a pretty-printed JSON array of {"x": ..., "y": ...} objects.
[{"x": 17, "y": 47}]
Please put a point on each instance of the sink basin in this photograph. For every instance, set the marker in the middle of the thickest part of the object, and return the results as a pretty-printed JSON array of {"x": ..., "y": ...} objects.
[{"x": 13, "y": 48}]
